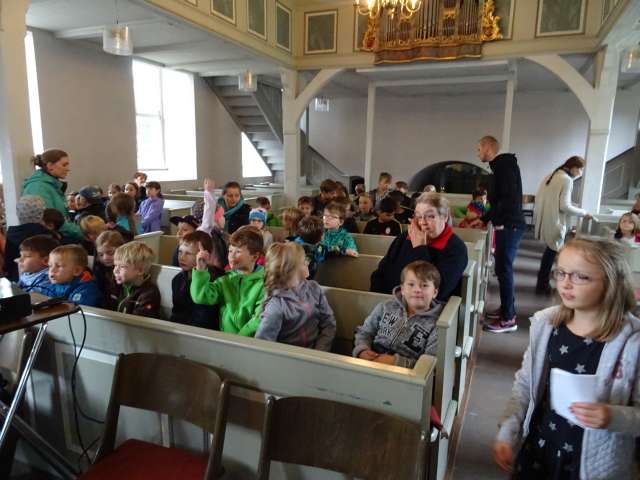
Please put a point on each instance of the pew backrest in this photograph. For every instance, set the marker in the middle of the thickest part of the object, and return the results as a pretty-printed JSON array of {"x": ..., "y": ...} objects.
[
  {"x": 350, "y": 308},
  {"x": 152, "y": 240},
  {"x": 167, "y": 246},
  {"x": 162, "y": 275},
  {"x": 348, "y": 272},
  {"x": 470, "y": 234}
]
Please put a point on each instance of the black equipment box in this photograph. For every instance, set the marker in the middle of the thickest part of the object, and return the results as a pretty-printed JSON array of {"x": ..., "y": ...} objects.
[{"x": 14, "y": 303}]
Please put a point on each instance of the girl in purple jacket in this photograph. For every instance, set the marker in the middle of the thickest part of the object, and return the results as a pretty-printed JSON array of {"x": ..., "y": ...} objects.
[{"x": 151, "y": 209}]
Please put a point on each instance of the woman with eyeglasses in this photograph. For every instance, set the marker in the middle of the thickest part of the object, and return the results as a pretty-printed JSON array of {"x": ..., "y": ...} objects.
[
  {"x": 429, "y": 238},
  {"x": 591, "y": 332}
]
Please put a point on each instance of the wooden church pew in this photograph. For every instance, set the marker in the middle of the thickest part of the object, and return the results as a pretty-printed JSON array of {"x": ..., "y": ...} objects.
[
  {"x": 351, "y": 307},
  {"x": 256, "y": 367}
]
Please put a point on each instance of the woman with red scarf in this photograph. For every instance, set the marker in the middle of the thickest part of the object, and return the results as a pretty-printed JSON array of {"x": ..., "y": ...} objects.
[{"x": 429, "y": 238}]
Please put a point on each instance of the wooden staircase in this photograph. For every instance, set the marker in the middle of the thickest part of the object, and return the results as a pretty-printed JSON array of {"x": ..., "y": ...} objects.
[{"x": 258, "y": 115}]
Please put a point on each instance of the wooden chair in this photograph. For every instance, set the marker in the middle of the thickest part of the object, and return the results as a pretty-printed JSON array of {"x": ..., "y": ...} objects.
[
  {"x": 343, "y": 438},
  {"x": 173, "y": 386}
]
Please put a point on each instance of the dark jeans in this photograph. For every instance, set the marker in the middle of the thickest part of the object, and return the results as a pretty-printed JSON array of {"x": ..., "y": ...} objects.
[
  {"x": 507, "y": 241},
  {"x": 548, "y": 257}
]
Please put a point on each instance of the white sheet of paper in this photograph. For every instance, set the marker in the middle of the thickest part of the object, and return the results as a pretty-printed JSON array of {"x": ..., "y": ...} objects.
[{"x": 567, "y": 388}]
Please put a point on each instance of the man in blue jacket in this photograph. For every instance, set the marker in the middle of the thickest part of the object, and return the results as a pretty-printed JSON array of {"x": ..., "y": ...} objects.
[{"x": 508, "y": 222}]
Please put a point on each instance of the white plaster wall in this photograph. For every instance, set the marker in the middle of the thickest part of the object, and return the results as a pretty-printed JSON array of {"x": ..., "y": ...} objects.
[
  {"x": 87, "y": 108},
  {"x": 411, "y": 133}
]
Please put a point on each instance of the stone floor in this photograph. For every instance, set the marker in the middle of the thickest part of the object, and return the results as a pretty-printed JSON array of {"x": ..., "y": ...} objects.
[{"x": 498, "y": 358}]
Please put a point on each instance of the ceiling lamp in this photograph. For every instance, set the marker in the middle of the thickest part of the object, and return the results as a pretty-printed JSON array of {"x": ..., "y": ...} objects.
[
  {"x": 403, "y": 9},
  {"x": 116, "y": 39},
  {"x": 248, "y": 82},
  {"x": 631, "y": 60}
]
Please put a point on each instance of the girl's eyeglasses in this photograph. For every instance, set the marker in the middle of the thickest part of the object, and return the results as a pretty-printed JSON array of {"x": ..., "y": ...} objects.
[{"x": 576, "y": 278}]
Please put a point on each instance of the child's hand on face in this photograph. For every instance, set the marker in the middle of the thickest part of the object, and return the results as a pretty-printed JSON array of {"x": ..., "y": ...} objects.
[
  {"x": 209, "y": 184},
  {"x": 591, "y": 415},
  {"x": 368, "y": 355},
  {"x": 351, "y": 252},
  {"x": 202, "y": 259}
]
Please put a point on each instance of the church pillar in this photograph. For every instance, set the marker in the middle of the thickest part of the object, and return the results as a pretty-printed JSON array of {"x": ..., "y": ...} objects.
[
  {"x": 293, "y": 106},
  {"x": 15, "y": 126},
  {"x": 291, "y": 136},
  {"x": 369, "y": 181},
  {"x": 607, "y": 68}
]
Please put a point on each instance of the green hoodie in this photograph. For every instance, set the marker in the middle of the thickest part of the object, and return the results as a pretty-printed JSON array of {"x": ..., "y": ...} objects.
[
  {"x": 240, "y": 296},
  {"x": 50, "y": 189}
]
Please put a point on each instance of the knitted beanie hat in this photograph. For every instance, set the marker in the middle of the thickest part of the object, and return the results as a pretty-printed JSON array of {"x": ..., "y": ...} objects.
[
  {"x": 30, "y": 209},
  {"x": 258, "y": 214}
]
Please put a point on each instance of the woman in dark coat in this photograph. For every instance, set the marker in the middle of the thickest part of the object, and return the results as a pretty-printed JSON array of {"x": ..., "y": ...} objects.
[{"x": 429, "y": 238}]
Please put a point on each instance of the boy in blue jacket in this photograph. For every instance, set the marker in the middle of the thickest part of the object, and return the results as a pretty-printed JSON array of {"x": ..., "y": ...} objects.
[
  {"x": 70, "y": 276},
  {"x": 33, "y": 263}
]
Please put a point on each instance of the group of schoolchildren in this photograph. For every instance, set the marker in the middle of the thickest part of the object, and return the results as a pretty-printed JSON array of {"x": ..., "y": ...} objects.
[
  {"x": 230, "y": 282},
  {"x": 233, "y": 277}
]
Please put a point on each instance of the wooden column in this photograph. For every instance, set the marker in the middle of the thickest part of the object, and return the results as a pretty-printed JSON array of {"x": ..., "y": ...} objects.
[
  {"x": 15, "y": 126},
  {"x": 370, "y": 182}
]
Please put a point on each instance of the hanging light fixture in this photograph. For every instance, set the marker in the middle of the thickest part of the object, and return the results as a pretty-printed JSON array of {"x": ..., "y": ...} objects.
[
  {"x": 248, "y": 82},
  {"x": 631, "y": 60},
  {"x": 322, "y": 104},
  {"x": 116, "y": 38},
  {"x": 403, "y": 9}
]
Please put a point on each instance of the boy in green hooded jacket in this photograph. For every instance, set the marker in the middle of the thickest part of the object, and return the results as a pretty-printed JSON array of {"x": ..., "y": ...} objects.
[{"x": 240, "y": 293}]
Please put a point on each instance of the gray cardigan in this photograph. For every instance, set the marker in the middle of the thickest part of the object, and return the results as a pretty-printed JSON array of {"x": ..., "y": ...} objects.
[
  {"x": 298, "y": 316},
  {"x": 606, "y": 453}
]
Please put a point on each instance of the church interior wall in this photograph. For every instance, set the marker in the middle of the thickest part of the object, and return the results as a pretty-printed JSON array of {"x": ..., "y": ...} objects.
[
  {"x": 87, "y": 108},
  {"x": 413, "y": 132}
]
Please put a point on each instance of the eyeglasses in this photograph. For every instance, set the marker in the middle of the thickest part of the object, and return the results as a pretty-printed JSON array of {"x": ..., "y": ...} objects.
[
  {"x": 426, "y": 218},
  {"x": 334, "y": 217},
  {"x": 576, "y": 278}
]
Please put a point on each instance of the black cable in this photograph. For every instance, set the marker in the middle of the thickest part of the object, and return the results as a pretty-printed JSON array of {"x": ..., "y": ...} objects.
[{"x": 76, "y": 404}]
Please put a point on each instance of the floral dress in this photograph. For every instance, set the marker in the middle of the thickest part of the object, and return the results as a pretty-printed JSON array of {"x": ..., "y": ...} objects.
[{"x": 552, "y": 448}]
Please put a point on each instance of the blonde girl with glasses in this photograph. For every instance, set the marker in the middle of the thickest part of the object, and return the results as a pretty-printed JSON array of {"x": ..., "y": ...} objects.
[
  {"x": 590, "y": 332},
  {"x": 295, "y": 310}
]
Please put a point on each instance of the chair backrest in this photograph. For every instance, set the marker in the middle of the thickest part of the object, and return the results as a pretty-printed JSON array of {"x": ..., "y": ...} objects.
[
  {"x": 348, "y": 272},
  {"x": 14, "y": 347},
  {"x": 173, "y": 386},
  {"x": 356, "y": 441}
]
